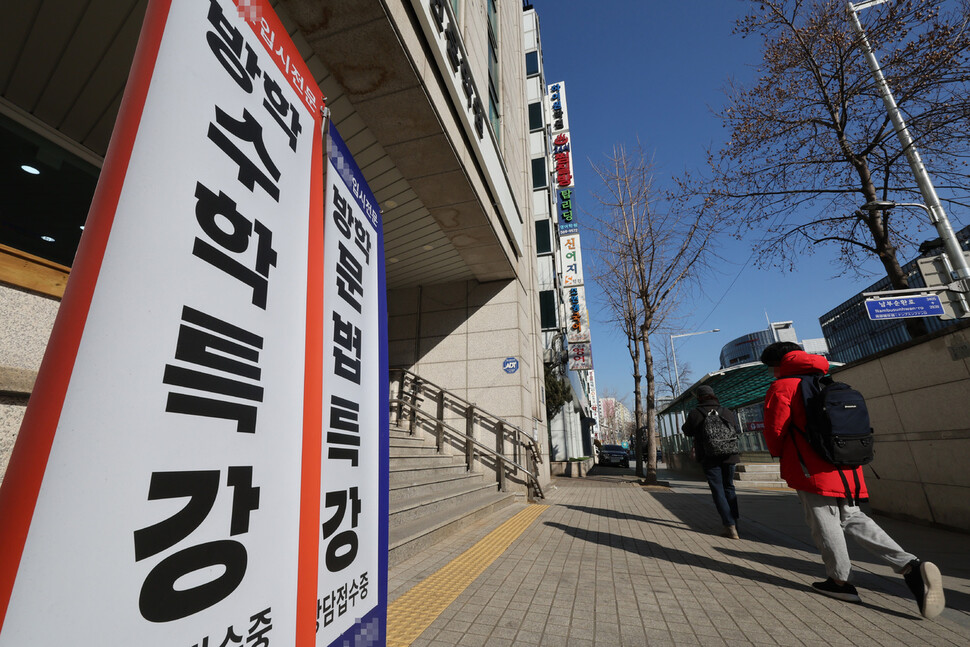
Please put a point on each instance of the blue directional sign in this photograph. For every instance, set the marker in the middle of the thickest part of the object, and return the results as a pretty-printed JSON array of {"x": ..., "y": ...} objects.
[{"x": 917, "y": 305}]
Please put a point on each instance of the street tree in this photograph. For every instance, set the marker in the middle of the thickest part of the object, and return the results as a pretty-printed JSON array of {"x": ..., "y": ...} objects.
[
  {"x": 810, "y": 139},
  {"x": 647, "y": 251}
]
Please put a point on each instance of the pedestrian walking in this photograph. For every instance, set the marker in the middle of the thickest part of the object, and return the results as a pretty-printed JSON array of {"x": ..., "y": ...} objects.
[
  {"x": 829, "y": 495},
  {"x": 715, "y": 433}
]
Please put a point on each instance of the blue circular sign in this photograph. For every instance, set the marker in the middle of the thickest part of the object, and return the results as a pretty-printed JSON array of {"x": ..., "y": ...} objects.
[
  {"x": 510, "y": 365},
  {"x": 625, "y": 444}
]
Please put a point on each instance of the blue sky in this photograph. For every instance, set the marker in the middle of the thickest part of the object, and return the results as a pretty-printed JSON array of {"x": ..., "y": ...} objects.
[{"x": 655, "y": 69}]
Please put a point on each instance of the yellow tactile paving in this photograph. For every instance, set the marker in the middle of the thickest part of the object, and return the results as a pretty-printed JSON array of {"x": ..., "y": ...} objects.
[{"x": 413, "y": 612}]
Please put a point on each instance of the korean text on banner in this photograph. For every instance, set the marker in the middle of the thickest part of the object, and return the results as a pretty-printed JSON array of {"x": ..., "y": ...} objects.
[
  {"x": 577, "y": 326},
  {"x": 580, "y": 356},
  {"x": 154, "y": 495},
  {"x": 572, "y": 260},
  {"x": 354, "y": 488}
]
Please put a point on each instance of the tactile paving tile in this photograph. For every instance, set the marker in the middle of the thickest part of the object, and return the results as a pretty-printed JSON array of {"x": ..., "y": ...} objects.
[{"x": 413, "y": 612}]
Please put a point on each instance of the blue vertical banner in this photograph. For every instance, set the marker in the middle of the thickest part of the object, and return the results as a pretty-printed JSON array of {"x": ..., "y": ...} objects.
[{"x": 352, "y": 584}]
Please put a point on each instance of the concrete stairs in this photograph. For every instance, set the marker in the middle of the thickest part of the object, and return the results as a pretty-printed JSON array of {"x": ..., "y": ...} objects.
[
  {"x": 758, "y": 475},
  {"x": 433, "y": 495}
]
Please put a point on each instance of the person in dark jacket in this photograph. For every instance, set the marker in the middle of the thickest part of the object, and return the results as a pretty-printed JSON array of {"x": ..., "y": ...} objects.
[
  {"x": 830, "y": 496},
  {"x": 719, "y": 470}
]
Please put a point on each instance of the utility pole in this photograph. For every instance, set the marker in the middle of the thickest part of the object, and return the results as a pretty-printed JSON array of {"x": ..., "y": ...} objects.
[{"x": 935, "y": 210}]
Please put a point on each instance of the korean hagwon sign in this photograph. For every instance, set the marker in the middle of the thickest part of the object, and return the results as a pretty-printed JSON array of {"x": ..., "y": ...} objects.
[
  {"x": 166, "y": 484},
  {"x": 354, "y": 486}
]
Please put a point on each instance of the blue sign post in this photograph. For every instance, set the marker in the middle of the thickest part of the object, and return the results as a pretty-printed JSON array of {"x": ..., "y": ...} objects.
[{"x": 917, "y": 305}]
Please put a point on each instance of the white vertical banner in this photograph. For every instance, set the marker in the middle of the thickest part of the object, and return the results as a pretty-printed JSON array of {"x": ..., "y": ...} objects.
[
  {"x": 572, "y": 260},
  {"x": 580, "y": 356},
  {"x": 352, "y": 588},
  {"x": 161, "y": 491}
]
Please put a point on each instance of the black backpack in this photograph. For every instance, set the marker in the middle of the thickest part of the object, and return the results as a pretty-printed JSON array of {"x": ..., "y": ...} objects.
[
  {"x": 719, "y": 437},
  {"x": 836, "y": 422}
]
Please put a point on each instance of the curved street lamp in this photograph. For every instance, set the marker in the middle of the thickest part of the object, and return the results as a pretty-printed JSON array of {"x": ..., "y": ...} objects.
[
  {"x": 933, "y": 207},
  {"x": 673, "y": 354}
]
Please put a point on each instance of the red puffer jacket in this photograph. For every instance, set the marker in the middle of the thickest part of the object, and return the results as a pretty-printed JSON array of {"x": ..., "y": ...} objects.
[{"x": 783, "y": 404}]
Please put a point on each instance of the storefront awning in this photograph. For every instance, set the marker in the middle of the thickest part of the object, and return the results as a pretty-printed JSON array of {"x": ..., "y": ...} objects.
[{"x": 735, "y": 387}]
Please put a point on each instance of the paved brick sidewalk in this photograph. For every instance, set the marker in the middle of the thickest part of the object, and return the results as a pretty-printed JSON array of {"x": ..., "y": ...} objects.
[{"x": 612, "y": 563}]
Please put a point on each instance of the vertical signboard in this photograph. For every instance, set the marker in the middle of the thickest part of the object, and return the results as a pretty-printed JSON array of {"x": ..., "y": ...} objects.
[
  {"x": 577, "y": 327},
  {"x": 351, "y": 608},
  {"x": 580, "y": 356},
  {"x": 572, "y": 260},
  {"x": 165, "y": 486}
]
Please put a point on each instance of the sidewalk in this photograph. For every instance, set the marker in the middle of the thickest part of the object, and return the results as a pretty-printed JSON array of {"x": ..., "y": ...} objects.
[{"x": 609, "y": 562}]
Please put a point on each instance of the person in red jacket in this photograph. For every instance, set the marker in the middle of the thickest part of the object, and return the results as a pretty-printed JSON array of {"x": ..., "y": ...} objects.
[{"x": 830, "y": 496}]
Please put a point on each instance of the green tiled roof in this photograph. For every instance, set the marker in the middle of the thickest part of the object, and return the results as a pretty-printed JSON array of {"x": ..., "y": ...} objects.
[{"x": 735, "y": 387}]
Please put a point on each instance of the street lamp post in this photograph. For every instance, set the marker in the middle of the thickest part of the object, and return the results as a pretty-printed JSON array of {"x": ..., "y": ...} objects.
[
  {"x": 673, "y": 353},
  {"x": 933, "y": 207}
]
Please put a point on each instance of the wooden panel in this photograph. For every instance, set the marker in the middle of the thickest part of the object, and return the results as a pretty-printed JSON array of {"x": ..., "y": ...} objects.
[{"x": 32, "y": 273}]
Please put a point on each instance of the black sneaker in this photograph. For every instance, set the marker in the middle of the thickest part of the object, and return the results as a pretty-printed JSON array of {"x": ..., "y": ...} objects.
[
  {"x": 845, "y": 592},
  {"x": 926, "y": 583}
]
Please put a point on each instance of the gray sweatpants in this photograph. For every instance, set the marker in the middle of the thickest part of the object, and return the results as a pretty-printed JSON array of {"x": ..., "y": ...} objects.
[{"x": 832, "y": 519}]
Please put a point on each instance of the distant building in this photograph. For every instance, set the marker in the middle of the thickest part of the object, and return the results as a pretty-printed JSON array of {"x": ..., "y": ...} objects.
[
  {"x": 852, "y": 335},
  {"x": 747, "y": 348},
  {"x": 615, "y": 421}
]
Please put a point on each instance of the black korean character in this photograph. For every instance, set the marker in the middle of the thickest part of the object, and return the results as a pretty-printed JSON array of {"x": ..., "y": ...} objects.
[
  {"x": 467, "y": 83},
  {"x": 350, "y": 276},
  {"x": 232, "y": 638},
  {"x": 438, "y": 13},
  {"x": 160, "y": 600},
  {"x": 247, "y": 130},
  {"x": 343, "y": 439},
  {"x": 342, "y": 600},
  {"x": 342, "y": 548},
  {"x": 363, "y": 585},
  {"x": 227, "y": 44},
  {"x": 327, "y": 607},
  {"x": 362, "y": 238},
  {"x": 342, "y": 215},
  {"x": 479, "y": 113},
  {"x": 353, "y": 592},
  {"x": 261, "y": 625},
  {"x": 452, "y": 48},
  {"x": 279, "y": 108},
  {"x": 204, "y": 643},
  {"x": 347, "y": 337},
  {"x": 210, "y": 211},
  {"x": 196, "y": 345}
]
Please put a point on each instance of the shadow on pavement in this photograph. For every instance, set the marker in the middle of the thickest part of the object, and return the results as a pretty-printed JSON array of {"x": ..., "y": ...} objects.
[{"x": 677, "y": 556}]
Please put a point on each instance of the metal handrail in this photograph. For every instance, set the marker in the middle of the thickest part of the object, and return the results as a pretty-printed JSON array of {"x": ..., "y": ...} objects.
[{"x": 410, "y": 401}]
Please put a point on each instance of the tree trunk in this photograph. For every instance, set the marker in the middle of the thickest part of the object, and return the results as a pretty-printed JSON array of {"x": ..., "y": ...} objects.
[
  {"x": 637, "y": 407},
  {"x": 651, "y": 413}
]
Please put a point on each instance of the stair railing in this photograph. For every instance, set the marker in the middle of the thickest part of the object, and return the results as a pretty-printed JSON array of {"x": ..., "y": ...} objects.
[{"x": 407, "y": 409}]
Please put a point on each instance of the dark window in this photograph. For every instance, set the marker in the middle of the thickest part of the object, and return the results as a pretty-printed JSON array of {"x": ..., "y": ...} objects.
[
  {"x": 532, "y": 63},
  {"x": 540, "y": 179},
  {"x": 535, "y": 116},
  {"x": 547, "y": 309},
  {"x": 543, "y": 237},
  {"x": 45, "y": 194}
]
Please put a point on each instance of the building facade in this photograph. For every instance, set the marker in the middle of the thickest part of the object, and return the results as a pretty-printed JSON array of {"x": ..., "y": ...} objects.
[
  {"x": 850, "y": 333},
  {"x": 564, "y": 318},
  {"x": 431, "y": 99}
]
